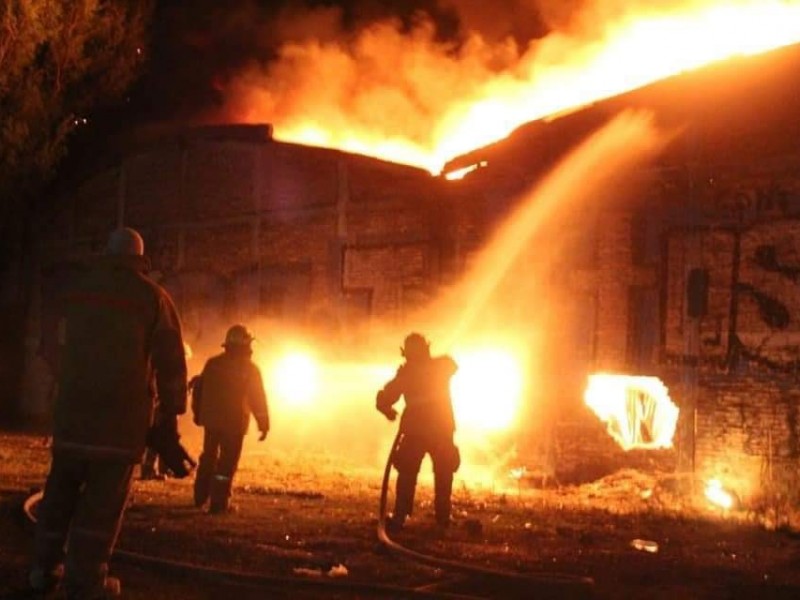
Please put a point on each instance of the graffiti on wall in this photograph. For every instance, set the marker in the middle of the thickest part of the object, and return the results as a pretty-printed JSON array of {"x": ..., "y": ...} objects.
[{"x": 774, "y": 337}]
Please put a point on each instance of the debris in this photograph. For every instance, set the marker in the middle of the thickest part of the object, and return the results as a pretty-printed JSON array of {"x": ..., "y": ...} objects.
[
  {"x": 646, "y": 494},
  {"x": 645, "y": 545},
  {"x": 338, "y": 571},
  {"x": 308, "y": 572}
]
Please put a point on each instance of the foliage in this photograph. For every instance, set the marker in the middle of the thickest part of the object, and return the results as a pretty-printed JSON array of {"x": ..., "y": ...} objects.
[{"x": 59, "y": 59}]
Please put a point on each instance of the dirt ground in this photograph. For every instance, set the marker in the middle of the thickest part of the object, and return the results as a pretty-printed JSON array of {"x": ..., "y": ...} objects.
[{"x": 305, "y": 528}]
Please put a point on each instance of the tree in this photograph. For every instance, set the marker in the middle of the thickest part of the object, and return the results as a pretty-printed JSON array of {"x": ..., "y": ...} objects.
[{"x": 59, "y": 59}]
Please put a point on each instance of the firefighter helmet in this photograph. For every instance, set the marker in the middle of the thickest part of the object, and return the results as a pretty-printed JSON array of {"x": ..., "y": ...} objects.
[
  {"x": 415, "y": 346},
  {"x": 238, "y": 335},
  {"x": 125, "y": 241}
]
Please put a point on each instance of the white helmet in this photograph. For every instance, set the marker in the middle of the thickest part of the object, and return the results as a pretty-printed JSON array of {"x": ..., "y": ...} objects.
[{"x": 126, "y": 242}]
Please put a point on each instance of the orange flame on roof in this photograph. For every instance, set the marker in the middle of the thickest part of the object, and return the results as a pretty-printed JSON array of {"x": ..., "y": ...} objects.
[{"x": 408, "y": 97}]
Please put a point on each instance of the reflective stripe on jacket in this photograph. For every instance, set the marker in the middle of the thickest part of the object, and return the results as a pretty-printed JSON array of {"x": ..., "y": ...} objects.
[{"x": 120, "y": 332}]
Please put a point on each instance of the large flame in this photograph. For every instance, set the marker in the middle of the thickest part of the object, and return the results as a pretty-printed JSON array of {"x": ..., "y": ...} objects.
[
  {"x": 408, "y": 97},
  {"x": 487, "y": 389},
  {"x": 637, "y": 410}
]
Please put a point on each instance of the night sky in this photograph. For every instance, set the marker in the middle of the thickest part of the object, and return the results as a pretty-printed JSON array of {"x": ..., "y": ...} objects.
[{"x": 198, "y": 44}]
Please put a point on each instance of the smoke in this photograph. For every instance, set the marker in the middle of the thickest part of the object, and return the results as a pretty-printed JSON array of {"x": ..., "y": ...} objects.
[{"x": 437, "y": 79}]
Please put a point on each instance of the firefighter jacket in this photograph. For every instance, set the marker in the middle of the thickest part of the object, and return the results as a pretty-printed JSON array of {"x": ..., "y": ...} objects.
[
  {"x": 228, "y": 391},
  {"x": 119, "y": 333},
  {"x": 425, "y": 386}
]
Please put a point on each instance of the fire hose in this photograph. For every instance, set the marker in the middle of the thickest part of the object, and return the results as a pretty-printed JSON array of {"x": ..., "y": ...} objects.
[
  {"x": 226, "y": 577},
  {"x": 241, "y": 579},
  {"x": 553, "y": 582}
]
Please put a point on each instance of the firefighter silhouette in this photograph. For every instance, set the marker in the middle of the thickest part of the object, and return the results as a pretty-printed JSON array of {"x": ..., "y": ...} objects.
[
  {"x": 119, "y": 335},
  {"x": 426, "y": 427},
  {"x": 224, "y": 396}
]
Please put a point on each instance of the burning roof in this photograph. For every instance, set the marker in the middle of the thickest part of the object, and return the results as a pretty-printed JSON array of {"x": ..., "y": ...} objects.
[
  {"x": 397, "y": 90},
  {"x": 738, "y": 98}
]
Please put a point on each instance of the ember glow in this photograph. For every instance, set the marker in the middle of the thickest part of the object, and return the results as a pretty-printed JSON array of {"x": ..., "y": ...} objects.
[
  {"x": 487, "y": 389},
  {"x": 717, "y": 495},
  {"x": 637, "y": 410},
  {"x": 406, "y": 96}
]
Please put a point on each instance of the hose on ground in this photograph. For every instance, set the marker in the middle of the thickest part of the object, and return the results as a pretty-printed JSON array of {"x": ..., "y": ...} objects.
[
  {"x": 253, "y": 580},
  {"x": 241, "y": 579},
  {"x": 541, "y": 579}
]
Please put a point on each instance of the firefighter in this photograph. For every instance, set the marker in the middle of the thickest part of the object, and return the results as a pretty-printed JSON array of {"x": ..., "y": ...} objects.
[
  {"x": 118, "y": 331},
  {"x": 224, "y": 395},
  {"x": 426, "y": 427}
]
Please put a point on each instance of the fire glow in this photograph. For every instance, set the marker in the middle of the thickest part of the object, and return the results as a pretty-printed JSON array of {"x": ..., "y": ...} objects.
[
  {"x": 406, "y": 96},
  {"x": 637, "y": 410},
  {"x": 717, "y": 495},
  {"x": 296, "y": 378},
  {"x": 487, "y": 389}
]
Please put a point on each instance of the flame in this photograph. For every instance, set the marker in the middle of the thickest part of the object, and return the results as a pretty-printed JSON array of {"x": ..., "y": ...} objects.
[
  {"x": 295, "y": 378},
  {"x": 637, "y": 410},
  {"x": 486, "y": 389},
  {"x": 408, "y": 97},
  {"x": 717, "y": 495}
]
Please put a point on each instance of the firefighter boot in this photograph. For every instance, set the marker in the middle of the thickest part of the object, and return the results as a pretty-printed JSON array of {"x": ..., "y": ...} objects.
[
  {"x": 202, "y": 483},
  {"x": 220, "y": 495},
  {"x": 202, "y": 489},
  {"x": 443, "y": 489}
]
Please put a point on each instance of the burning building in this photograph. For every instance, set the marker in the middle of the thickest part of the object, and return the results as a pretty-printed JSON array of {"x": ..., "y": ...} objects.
[
  {"x": 241, "y": 227},
  {"x": 688, "y": 271},
  {"x": 623, "y": 282}
]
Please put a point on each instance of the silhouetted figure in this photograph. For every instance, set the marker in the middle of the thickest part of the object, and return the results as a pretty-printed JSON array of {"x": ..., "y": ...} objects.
[
  {"x": 224, "y": 396},
  {"x": 426, "y": 427},
  {"x": 119, "y": 330}
]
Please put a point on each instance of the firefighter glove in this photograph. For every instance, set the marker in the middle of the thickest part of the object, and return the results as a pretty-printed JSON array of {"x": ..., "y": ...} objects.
[
  {"x": 389, "y": 413},
  {"x": 164, "y": 440},
  {"x": 384, "y": 405}
]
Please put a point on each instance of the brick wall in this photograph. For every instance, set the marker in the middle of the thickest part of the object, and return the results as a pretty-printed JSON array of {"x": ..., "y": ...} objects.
[
  {"x": 746, "y": 428},
  {"x": 242, "y": 227}
]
